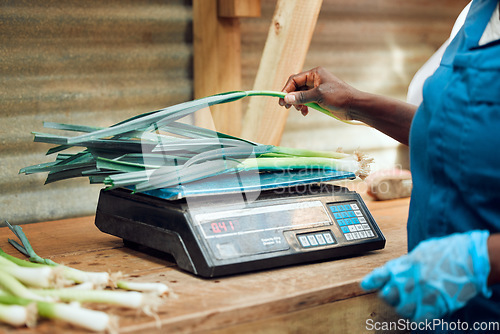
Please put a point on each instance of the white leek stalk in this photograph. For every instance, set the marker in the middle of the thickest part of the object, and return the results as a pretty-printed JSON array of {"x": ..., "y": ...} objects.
[
  {"x": 157, "y": 288},
  {"x": 75, "y": 315},
  {"x": 40, "y": 277},
  {"x": 16, "y": 288},
  {"x": 34, "y": 277},
  {"x": 80, "y": 276},
  {"x": 89, "y": 319},
  {"x": 129, "y": 299},
  {"x": 16, "y": 315},
  {"x": 44, "y": 276}
]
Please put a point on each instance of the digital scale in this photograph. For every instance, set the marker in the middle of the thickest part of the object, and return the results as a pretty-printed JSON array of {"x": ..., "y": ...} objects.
[{"x": 217, "y": 227}]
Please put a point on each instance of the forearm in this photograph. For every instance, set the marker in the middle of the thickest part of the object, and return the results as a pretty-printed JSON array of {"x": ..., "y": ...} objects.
[
  {"x": 494, "y": 254},
  {"x": 390, "y": 116}
]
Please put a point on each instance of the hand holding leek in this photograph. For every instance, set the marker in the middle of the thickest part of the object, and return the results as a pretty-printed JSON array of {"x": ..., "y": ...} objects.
[
  {"x": 340, "y": 100},
  {"x": 322, "y": 88}
]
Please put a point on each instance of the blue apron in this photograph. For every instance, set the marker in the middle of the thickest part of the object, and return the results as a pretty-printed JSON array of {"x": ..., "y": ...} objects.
[{"x": 455, "y": 148}]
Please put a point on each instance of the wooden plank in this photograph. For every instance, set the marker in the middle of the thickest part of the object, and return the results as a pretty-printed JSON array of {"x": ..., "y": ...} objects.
[
  {"x": 217, "y": 65},
  {"x": 351, "y": 315},
  {"x": 266, "y": 298},
  {"x": 284, "y": 54},
  {"x": 239, "y": 8}
]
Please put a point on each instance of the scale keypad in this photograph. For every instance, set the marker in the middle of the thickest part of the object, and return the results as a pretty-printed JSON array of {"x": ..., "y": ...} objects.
[
  {"x": 351, "y": 221},
  {"x": 316, "y": 239}
]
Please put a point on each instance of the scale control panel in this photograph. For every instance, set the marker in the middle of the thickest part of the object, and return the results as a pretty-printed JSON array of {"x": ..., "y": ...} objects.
[
  {"x": 351, "y": 221},
  {"x": 295, "y": 227},
  {"x": 314, "y": 239}
]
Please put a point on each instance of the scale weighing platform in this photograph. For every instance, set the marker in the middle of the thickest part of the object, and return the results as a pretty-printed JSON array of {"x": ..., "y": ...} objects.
[{"x": 215, "y": 228}]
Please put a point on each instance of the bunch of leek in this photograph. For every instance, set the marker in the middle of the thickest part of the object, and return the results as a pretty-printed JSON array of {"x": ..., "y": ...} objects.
[
  {"x": 44, "y": 288},
  {"x": 154, "y": 150}
]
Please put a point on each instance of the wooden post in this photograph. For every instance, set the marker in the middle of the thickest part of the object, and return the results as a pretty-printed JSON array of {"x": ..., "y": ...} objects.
[
  {"x": 284, "y": 54},
  {"x": 239, "y": 8},
  {"x": 217, "y": 58}
]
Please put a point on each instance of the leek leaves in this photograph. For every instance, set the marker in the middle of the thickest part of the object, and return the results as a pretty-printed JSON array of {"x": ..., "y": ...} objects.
[{"x": 155, "y": 150}]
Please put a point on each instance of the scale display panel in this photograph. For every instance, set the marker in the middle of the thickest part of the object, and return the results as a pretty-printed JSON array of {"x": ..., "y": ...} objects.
[
  {"x": 258, "y": 230},
  {"x": 221, "y": 238}
]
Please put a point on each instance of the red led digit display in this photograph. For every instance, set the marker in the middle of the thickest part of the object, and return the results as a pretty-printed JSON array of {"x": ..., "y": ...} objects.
[
  {"x": 224, "y": 226},
  {"x": 215, "y": 228}
]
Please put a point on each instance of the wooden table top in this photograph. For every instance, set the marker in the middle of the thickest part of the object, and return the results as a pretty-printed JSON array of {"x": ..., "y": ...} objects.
[{"x": 209, "y": 304}]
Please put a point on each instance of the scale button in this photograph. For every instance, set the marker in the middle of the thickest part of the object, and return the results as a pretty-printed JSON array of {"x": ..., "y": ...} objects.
[
  {"x": 354, "y": 206},
  {"x": 359, "y": 227},
  {"x": 328, "y": 238},
  {"x": 370, "y": 233},
  {"x": 348, "y": 236},
  {"x": 345, "y": 229},
  {"x": 333, "y": 208},
  {"x": 362, "y": 220},
  {"x": 227, "y": 250},
  {"x": 366, "y": 226},
  {"x": 355, "y": 220},
  {"x": 347, "y": 221},
  {"x": 358, "y": 213},
  {"x": 351, "y": 214},
  {"x": 345, "y": 214},
  {"x": 340, "y": 207},
  {"x": 312, "y": 240},
  {"x": 347, "y": 207},
  {"x": 355, "y": 235},
  {"x": 352, "y": 228},
  {"x": 341, "y": 222},
  {"x": 320, "y": 238},
  {"x": 363, "y": 234},
  {"x": 337, "y": 215},
  {"x": 303, "y": 241}
]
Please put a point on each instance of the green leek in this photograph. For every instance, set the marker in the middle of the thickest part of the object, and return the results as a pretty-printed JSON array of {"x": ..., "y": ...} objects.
[
  {"x": 72, "y": 275},
  {"x": 154, "y": 150},
  {"x": 23, "y": 285},
  {"x": 130, "y": 299}
]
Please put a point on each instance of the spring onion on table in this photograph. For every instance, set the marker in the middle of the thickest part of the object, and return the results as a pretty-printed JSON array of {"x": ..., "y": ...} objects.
[
  {"x": 17, "y": 315},
  {"x": 75, "y": 275},
  {"x": 155, "y": 150},
  {"x": 45, "y": 288},
  {"x": 20, "y": 311},
  {"x": 145, "y": 152}
]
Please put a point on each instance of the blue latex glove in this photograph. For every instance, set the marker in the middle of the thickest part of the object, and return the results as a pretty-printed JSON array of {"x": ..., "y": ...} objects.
[{"x": 438, "y": 277}]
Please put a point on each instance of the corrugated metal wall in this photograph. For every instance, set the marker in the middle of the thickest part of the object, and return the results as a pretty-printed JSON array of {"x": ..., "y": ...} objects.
[
  {"x": 98, "y": 62},
  {"x": 84, "y": 62}
]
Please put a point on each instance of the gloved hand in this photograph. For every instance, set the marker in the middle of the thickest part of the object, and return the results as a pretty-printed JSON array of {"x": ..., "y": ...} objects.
[{"x": 438, "y": 277}]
